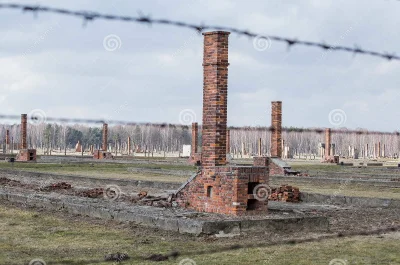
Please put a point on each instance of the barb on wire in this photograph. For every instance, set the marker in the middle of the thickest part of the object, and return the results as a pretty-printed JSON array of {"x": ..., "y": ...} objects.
[
  {"x": 162, "y": 125},
  {"x": 91, "y": 16}
]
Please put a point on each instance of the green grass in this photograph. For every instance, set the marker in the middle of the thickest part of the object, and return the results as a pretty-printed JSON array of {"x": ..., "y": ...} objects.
[
  {"x": 26, "y": 235},
  {"x": 104, "y": 170},
  {"x": 357, "y": 190}
]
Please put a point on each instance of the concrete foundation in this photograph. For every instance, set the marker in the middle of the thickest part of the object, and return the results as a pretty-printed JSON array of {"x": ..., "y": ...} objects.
[{"x": 172, "y": 220}]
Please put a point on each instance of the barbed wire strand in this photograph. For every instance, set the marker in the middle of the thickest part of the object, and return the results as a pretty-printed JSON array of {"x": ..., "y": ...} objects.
[
  {"x": 143, "y": 19},
  {"x": 36, "y": 119}
]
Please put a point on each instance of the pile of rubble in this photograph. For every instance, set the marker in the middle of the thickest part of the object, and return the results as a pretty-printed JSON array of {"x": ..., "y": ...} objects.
[
  {"x": 9, "y": 182},
  {"x": 57, "y": 186},
  {"x": 91, "y": 193},
  {"x": 285, "y": 193},
  {"x": 143, "y": 198}
]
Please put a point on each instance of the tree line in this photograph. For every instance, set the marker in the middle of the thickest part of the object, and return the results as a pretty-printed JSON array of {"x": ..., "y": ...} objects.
[{"x": 170, "y": 138}]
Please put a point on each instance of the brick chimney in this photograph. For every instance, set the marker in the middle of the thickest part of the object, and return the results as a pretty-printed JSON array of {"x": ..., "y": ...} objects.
[
  {"x": 105, "y": 136},
  {"x": 219, "y": 187},
  {"x": 195, "y": 135},
  {"x": 215, "y": 98},
  {"x": 276, "y": 124},
  {"x": 24, "y": 123},
  {"x": 327, "y": 143}
]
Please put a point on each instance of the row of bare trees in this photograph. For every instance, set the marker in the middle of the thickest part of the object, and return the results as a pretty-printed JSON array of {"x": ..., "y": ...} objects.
[{"x": 171, "y": 138}]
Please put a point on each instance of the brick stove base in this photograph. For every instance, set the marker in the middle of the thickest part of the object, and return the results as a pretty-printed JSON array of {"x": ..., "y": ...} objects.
[
  {"x": 26, "y": 155},
  {"x": 227, "y": 190},
  {"x": 99, "y": 154}
]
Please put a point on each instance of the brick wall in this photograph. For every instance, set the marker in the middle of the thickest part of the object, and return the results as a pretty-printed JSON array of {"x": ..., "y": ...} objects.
[{"x": 276, "y": 124}]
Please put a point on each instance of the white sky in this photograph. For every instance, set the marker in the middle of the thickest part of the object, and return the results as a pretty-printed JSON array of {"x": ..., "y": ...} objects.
[{"x": 54, "y": 64}]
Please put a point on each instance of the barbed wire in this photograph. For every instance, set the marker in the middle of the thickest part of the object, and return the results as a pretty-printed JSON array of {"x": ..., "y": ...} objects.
[
  {"x": 37, "y": 120},
  {"x": 91, "y": 16}
]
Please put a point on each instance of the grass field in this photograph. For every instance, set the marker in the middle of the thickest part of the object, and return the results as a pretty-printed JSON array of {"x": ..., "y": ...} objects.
[
  {"x": 356, "y": 190},
  {"x": 119, "y": 170},
  {"x": 105, "y": 170},
  {"x": 61, "y": 240}
]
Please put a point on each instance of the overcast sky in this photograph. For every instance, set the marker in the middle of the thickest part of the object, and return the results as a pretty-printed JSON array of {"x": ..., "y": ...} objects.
[{"x": 154, "y": 74}]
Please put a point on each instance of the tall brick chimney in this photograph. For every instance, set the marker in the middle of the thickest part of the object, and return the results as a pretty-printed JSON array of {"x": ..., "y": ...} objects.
[
  {"x": 105, "y": 136},
  {"x": 276, "y": 124},
  {"x": 24, "y": 123},
  {"x": 218, "y": 187},
  {"x": 215, "y": 98},
  {"x": 195, "y": 135},
  {"x": 327, "y": 143}
]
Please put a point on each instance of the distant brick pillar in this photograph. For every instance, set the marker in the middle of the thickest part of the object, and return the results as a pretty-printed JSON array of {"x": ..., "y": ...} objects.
[
  {"x": 129, "y": 145},
  {"x": 276, "y": 124},
  {"x": 215, "y": 98},
  {"x": 7, "y": 137},
  {"x": 228, "y": 141},
  {"x": 24, "y": 124},
  {"x": 327, "y": 143},
  {"x": 105, "y": 137},
  {"x": 379, "y": 149},
  {"x": 195, "y": 137}
]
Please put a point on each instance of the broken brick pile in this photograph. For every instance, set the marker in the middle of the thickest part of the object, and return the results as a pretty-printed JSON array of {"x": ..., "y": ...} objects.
[
  {"x": 57, "y": 186},
  {"x": 91, "y": 193},
  {"x": 285, "y": 193}
]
